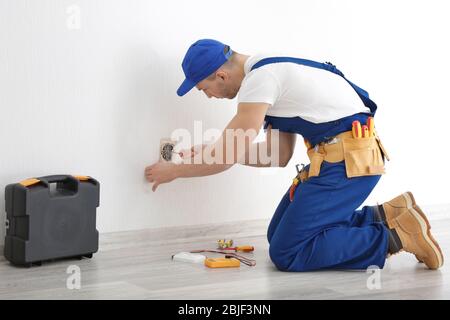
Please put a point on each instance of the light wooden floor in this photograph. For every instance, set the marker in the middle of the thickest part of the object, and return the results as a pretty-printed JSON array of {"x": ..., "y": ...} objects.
[{"x": 131, "y": 265}]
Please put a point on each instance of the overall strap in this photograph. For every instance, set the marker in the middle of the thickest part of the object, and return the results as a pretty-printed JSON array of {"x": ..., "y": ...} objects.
[{"x": 364, "y": 95}]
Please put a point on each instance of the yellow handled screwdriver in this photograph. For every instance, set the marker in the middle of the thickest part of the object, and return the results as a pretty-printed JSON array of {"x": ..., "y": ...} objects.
[
  {"x": 241, "y": 248},
  {"x": 371, "y": 125}
]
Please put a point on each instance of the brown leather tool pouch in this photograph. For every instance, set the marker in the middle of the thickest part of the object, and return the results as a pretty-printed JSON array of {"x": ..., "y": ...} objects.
[
  {"x": 363, "y": 156},
  {"x": 383, "y": 150},
  {"x": 316, "y": 159}
]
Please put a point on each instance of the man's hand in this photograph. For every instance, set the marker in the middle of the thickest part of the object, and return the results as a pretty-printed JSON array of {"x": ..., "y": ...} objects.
[
  {"x": 160, "y": 172},
  {"x": 249, "y": 116},
  {"x": 190, "y": 153}
]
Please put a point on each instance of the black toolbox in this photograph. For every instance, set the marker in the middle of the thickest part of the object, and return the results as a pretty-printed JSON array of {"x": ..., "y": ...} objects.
[{"x": 51, "y": 217}]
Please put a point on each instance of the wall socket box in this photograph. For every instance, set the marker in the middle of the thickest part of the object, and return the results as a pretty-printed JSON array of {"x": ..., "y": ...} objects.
[{"x": 166, "y": 149}]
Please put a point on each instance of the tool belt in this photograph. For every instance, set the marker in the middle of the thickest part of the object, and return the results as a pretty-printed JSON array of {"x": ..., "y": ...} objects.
[{"x": 362, "y": 157}]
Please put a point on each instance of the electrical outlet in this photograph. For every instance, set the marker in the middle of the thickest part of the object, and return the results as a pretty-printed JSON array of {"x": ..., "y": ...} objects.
[{"x": 166, "y": 149}]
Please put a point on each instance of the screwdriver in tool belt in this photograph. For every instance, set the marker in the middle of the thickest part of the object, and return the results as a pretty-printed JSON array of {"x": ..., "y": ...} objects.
[
  {"x": 365, "y": 131},
  {"x": 371, "y": 126},
  {"x": 356, "y": 129}
]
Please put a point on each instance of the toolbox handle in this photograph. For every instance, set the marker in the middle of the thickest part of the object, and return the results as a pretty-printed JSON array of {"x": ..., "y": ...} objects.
[
  {"x": 66, "y": 182},
  {"x": 56, "y": 178}
]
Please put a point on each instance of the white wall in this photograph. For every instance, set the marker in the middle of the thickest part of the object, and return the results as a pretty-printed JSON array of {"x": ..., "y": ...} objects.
[{"x": 96, "y": 100}]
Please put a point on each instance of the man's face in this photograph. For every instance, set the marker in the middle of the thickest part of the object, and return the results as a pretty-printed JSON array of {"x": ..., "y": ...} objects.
[{"x": 218, "y": 86}]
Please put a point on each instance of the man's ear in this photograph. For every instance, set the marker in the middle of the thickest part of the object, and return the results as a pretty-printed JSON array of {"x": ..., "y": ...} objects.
[{"x": 222, "y": 75}]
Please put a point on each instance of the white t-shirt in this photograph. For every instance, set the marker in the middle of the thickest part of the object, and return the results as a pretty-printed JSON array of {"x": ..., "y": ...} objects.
[{"x": 295, "y": 90}]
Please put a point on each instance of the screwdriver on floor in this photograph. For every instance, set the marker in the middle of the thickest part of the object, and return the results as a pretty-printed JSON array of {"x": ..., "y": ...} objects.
[{"x": 241, "y": 248}]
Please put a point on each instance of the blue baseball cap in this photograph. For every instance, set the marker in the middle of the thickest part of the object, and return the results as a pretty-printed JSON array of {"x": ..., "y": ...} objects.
[{"x": 201, "y": 60}]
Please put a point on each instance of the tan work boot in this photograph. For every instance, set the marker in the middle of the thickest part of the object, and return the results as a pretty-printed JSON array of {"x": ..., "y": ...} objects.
[
  {"x": 399, "y": 204},
  {"x": 393, "y": 208},
  {"x": 409, "y": 232}
]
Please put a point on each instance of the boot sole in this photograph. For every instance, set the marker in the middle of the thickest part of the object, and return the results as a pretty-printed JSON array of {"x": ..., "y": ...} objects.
[
  {"x": 425, "y": 226},
  {"x": 411, "y": 203}
]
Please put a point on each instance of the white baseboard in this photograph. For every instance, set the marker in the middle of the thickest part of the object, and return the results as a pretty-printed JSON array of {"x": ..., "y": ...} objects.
[
  {"x": 155, "y": 236},
  {"x": 437, "y": 211},
  {"x": 226, "y": 230}
]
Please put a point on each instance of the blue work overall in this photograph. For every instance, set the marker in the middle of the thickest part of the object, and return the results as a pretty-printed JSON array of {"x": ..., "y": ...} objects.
[{"x": 321, "y": 228}]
